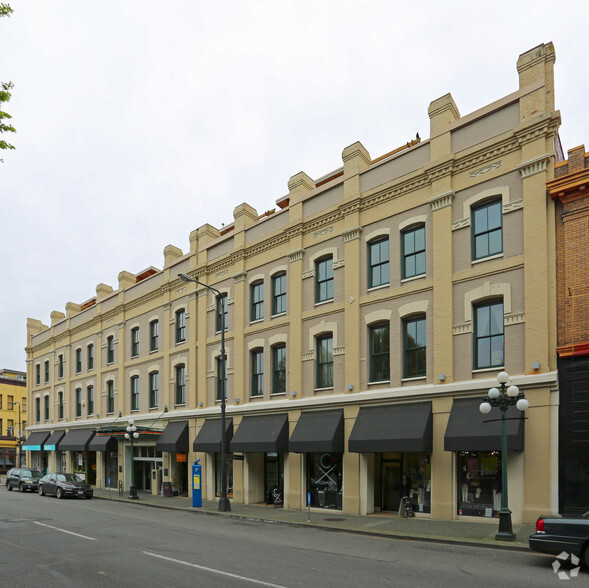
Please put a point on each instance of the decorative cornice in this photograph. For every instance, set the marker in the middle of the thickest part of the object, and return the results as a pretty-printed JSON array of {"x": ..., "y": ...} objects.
[
  {"x": 239, "y": 277},
  {"x": 339, "y": 263},
  {"x": 460, "y": 224},
  {"x": 352, "y": 234},
  {"x": 296, "y": 255},
  {"x": 511, "y": 206},
  {"x": 462, "y": 329},
  {"x": 442, "y": 201},
  {"x": 534, "y": 166},
  {"x": 308, "y": 356},
  {"x": 514, "y": 319},
  {"x": 322, "y": 232},
  {"x": 339, "y": 350},
  {"x": 485, "y": 170}
]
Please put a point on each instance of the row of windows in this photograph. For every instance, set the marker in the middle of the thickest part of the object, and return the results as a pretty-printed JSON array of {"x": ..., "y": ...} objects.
[{"x": 10, "y": 402}]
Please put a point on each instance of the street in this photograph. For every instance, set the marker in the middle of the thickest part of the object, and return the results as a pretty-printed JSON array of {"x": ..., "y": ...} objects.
[{"x": 49, "y": 542}]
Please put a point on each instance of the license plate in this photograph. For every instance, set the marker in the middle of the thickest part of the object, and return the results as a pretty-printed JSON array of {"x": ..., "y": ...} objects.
[{"x": 80, "y": 492}]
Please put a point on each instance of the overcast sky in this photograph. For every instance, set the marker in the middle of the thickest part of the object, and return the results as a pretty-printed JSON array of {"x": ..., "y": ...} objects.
[{"x": 139, "y": 121}]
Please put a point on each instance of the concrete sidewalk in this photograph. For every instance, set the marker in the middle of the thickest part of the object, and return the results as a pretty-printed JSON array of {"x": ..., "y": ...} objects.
[{"x": 475, "y": 533}]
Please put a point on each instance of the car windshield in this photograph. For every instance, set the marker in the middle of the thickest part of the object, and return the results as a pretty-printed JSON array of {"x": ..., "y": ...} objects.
[
  {"x": 32, "y": 474},
  {"x": 68, "y": 478}
]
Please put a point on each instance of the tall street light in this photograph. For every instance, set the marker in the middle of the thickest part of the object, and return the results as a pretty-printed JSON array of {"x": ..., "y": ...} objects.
[
  {"x": 504, "y": 398},
  {"x": 224, "y": 504},
  {"x": 132, "y": 434},
  {"x": 18, "y": 441}
]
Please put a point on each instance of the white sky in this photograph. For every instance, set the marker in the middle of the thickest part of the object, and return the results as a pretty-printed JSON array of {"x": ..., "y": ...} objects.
[{"x": 139, "y": 121}]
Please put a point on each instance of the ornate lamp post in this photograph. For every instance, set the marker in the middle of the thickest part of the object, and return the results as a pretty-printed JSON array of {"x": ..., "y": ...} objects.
[
  {"x": 132, "y": 434},
  {"x": 224, "y": 503},
  {"x": 503, "y": 398}
]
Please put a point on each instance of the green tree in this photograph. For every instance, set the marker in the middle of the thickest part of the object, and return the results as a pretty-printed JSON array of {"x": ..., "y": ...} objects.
[{"x": 5, "y": 95}]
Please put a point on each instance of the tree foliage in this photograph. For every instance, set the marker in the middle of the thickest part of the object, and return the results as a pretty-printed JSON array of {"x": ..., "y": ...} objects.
[{"x": 5, "y": 95}]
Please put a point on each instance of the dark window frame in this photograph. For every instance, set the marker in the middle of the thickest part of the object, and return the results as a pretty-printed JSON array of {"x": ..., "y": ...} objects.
[
  {"x": 379, "y": 262},
  {"x": 90, "y": 356},
  {"x": 90, "y": 399},
  {"x": 482, "y": 335},
  {"x": 110, "y": 349},
  {"x": 380, "y": 357},
  {"x": 279, "y": 294},
  {"x": 180, "y": 384},
  {"x": 135, "y": 342},
  {"x": 134, "y": 389},
  {"x": 154, "y": 388},
  {"x": 180, "y": 325},
  {"x": 257, "y": 372},
  {"x": 110, "y": 397},
  {"x": 79, "y": 360},
  {"x": 324, "y": 279},
  {"x": 279, "y": 369},
  {"x": 221, "y": 313},
  {"x": 221, "y": 381},
  {"x": 324, "y": 360},
  {"x": 413, "y": 255},
  {"x": 154, "y": 335},
  {"x": 257, "y": 301},
  {"x": 414, "y": 350},
  {"x": 484, "y": 231}
]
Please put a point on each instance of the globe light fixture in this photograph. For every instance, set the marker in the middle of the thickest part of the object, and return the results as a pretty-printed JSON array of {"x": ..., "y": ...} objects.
[{"x": 131, "y": 435}]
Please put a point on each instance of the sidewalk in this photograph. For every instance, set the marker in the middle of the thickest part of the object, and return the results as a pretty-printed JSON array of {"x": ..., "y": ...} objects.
[{"x": 481, "y": 534}]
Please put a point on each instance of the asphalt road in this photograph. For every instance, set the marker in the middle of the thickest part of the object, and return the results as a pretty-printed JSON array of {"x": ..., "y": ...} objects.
[{"x": 47, "y": 542}]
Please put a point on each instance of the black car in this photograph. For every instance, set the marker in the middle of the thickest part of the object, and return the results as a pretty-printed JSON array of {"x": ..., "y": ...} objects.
[
  {"x": 555, "y": 534},
  {"x": 23, "y": 479},
  {"x": 63, "y": 485}
]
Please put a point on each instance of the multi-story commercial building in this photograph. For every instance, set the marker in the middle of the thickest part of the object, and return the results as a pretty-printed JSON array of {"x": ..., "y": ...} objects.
[
  {"x": 13, "y": 416},
  {"x": 364, "y": 320},
  {"x": 568, "y": 189}
]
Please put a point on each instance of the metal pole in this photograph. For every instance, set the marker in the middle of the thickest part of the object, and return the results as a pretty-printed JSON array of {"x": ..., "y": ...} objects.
[
  {"x": 18, "y": 440},
  {"x": 133, "y": 489},
  {"x": 505, "y": 528},
  {"x": 224, "y": 504}
]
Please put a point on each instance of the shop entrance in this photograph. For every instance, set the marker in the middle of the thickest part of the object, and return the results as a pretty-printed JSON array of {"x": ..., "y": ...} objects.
[{"x": 392, "y": 491}]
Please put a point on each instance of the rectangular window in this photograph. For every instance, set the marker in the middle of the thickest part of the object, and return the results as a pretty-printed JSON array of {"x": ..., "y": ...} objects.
[
  {"x": 46, "y": 366},
  {"x": 257, "y": 372},
  {"x": 37, "y": 410},
  {"x": 325, "y": 362},
  {"x": 413, "y": 252},
  {"x": 46, "y": 407},
  {"x": 38, "y": 374},
  {"x": 154, "y": 330},
  {"x": 135, "y": 393},
  {"x": 78, "y": 402},
  {"x": 488, "y": 344},
  {"x": 221, "y": 379},
  {"x": 10, "y": 403},
  {"x": 110, "y": 349},
  {"x": 221, "y": 316},
  {"x": 257, "y": 301},
  {"x": 1, "y": 401},
  {"x": 60, "y": 405},
  {"x": 279, "y": 294},
  {"x": 180, "y": 384},
  {"x": 90, "y": 357},
  {"x": 324, "y": 279},
  {"x": 380, "y": 353},
  {"x": 414, "y": 336},
  {"x": 135, "y": 342},
  {"x": 180, "y": 326},
  {"x": 487, "y": 230},
  {"x": 154, "y": 385},
  {"x": 110, "y": 396},
  {"x": 279, "y": 369},
  {"x": 78, "y": 361},
  {"x": 90, "y": 399},
  {"x": 378, "y": 263},
  {"x": 60, "y": 366}
]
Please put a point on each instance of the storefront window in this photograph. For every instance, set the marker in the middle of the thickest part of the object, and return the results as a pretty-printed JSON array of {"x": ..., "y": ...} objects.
[
  {"x": 62, "y": 461},
  {"x": 274, "y": 478},
  {"x": 417, "y": 470},
  {"x": 479, "y": 484},
  {"x": 324, "y": 479},
  {"x": 229, "y": 460},
  {"x": 111, "y": 473}
]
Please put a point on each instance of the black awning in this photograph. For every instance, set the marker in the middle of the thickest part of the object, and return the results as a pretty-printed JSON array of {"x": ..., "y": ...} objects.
[
  {"x": 468, "y": 431},
  {"x": 174, "y": 438},
  {"x": 35, "y": 441},
  {"x": 77, "y": 440},
  {"x": 316, "y": 432},
  {"x": 208, "y": 439},
  {"x": 262, "y": 434},
  {"x": 103, "y": 443},
  {"x": 52, "y": 444},
  {"x": 393, "y": 429}
]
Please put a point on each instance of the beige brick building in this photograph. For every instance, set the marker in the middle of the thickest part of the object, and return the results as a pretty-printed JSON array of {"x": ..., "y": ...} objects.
[{"x": 366, "y": 318}]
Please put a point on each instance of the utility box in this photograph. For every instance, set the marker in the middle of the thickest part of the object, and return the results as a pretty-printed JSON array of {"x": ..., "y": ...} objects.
[{"x": 196, "y": 484}]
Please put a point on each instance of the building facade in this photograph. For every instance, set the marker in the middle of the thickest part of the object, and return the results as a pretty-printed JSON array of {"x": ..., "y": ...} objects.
[
  {"x": 364, "y": 320},
  {"x": 13, "y": 417},
  {"x": 568, "y": 190}
]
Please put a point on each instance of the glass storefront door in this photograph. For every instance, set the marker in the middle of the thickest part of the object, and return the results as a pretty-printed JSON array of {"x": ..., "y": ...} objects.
[
  {"x": 324, "y": 479},
  {"x": 274, "y": 478},
  {"x": 391, "y": 485}
]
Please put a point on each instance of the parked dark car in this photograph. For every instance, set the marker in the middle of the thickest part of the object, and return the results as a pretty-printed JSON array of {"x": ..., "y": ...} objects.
[
  {"x": 23, "y": 479},
  {"x": 63, "y": 485},
  {"x": 555, "y": 534}
]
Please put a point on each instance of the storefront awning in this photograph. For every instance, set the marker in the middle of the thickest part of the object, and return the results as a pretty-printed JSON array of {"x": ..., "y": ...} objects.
[
  {"x": 102, "y": 443},
  {"x": 35, "y": 441},
  {"x": 208, "y": 439},
  {"x": 468, "y": 431},
  {"x": 321, "y": 431},
  {"x": 52, "y": 444},
  {"x": 393, "y": 429},
  {"x": 174, "y": 438},
  {"x": 262, "y": 434},
  {"x": 77, "y": 440}
]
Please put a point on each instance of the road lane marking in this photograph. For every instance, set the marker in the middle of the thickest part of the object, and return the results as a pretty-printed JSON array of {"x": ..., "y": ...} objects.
[
  {"x": 64, "y": 531},
  {"x": 214, "y": 571}
]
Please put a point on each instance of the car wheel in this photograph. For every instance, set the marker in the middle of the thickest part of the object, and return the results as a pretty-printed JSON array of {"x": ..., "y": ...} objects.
[
  {"x": 586, "y": 556},
  {"x": 21, "y": 488},
  {"x": 41, "y": 491},
  {"x": 8, "y": 487},
  {"x": 59, "y": 493}
]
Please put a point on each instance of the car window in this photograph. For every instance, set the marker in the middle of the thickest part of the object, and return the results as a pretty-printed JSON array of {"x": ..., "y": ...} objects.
[
  {"x": 61, "y": 478},
  {"x": 72, "y": 478},
  {"x": 37, "y": 475}
]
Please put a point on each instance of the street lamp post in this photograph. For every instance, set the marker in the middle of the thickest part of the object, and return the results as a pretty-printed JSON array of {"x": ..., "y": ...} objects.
[
  {"x": 18, "y": 441},
  {"x": 504, "y": 398},
  {"x": 224, "y": 503},
  {"x": 132, "y": 434}
]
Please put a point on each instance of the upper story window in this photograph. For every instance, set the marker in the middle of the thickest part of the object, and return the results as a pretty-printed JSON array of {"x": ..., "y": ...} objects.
[
  {"x": 414, "y": 352},
  {"x": 413, "y": 252},
  {"x": 10, "y": 403},
  {"x": 257, "y": 301},
  {"x": 78, "y": 361},
  {"x": 221, "y": 313},
  {"x": 90, "y": 357},
  {"x": 154, "y": 335},
  {"x": 180, "y": 384},
  {"x": 380, "y": 353},
  {"x": 78, "y": 402},
  {"x": 154, "y": 386},
  {"x": 279, "y": 294},
  {"x": 487, "y": 230},
  {"x": 257, "y": 357},
  {"x": 378, "y": 262},
  {"x": 110, "y": 396},
  {"x": 38, "y": 374},
  {"x": 221, "y": 379},
  {"x": 46, "y": 408},
  {"x": 324, "y": 374},
  {"x": 90, "y": 399},
  {"x": 279, "y": 369},
  {"x": 110, "y": 349},
  {"x": 324, "y": 279},
  {"x": 135, "y": 393},
  {"x": 135, "y": 342},
  {"x": 60, "y": 405},
  {"x": 37, "y": 410},
  {"x": 46, "y": 370},
  {"x": 60, "y": 366},
  {"x": 180, "y": 326},
  {"x": 488, "y": 335}
]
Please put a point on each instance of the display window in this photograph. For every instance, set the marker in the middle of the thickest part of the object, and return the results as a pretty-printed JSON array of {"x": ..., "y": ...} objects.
[
  {"x": 479, "y": 484},
  {"x": 229, "y": 460},
  {"x": 274, "y": 478},
  {"x": 111, "y": 471},
  {"x": 324, "y": 479}
]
